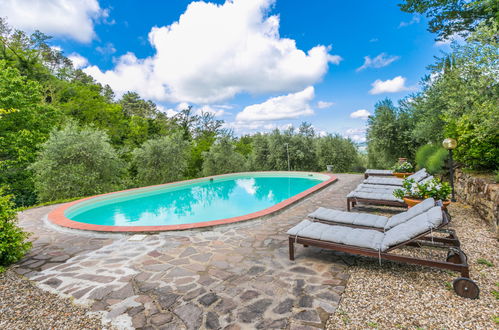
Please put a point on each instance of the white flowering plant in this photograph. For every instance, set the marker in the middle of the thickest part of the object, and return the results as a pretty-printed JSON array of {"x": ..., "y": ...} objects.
[
  {"x": 404, "y": 167},
  {"x": 432, "y": 188}
]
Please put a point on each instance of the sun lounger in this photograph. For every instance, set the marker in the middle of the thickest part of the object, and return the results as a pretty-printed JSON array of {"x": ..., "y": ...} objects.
[
  {"x": 375, "y": 196},
  {"x": 418, "y": 176},
  {"x": 371, "y": 172},
  {"x": 377, "y": 244},
  {"x": 382, "y": 223}
]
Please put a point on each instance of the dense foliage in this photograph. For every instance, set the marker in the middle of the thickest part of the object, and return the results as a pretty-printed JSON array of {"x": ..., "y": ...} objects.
[
  {"x": 76, "y": 162},
  {"x": 432, "y": 188},
  {"x": 459, "y": 99},
  {"x": 63, "y": 135},
  {"x": 13, "y": 244}
]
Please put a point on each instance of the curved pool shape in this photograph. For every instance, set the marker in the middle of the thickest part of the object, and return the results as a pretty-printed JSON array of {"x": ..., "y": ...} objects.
[{"x": 189, "y": 204}]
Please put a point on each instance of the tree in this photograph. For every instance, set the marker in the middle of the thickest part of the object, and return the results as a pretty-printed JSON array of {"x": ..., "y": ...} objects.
[
  {"x": 161, "y": 160},
  {"x": 222, "y": 158},
  {"x": 133, "y": 105},
  {"x": 76, "y": 162},
  {"x": 337, "y": 151},
  {"x": 25, "y": 124},
  {"x": 454, "y": 17},
  {"x": 388, "y": 135}
]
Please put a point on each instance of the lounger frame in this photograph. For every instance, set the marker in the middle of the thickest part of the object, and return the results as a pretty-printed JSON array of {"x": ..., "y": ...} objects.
[
  {"x": 460, "y": 266},
  {"x": 352, "y": 201}
]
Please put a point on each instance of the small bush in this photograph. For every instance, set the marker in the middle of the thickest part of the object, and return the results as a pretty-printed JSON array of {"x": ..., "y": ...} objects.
[
  {"x": 13, "y": 244},
  {"x": 424, "y": 153},
  {"x": 161, "y": 160},
  {"x": 76, "y": 162},
  {"x": 436, "y": 162}
]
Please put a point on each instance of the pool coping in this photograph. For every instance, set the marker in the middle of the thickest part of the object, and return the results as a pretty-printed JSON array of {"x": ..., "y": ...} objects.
[{"x": 58, "y": 217}]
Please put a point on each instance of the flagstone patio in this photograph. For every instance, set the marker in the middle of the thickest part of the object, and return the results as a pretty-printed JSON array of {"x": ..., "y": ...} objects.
[{"x": 229, "y": 277}]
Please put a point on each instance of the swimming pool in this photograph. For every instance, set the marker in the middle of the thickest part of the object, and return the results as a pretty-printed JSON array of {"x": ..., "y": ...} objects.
[{"x": 190, "y": 204}]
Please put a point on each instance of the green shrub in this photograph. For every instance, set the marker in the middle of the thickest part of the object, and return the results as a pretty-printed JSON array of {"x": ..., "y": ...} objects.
[
  {"x": 76, "y": 162},
  {"x": 222, "y": 158},
  {"x": 13, "y": 244},
  {"x": 436, "y": 162},
  {"x": 424, "y": 153},
  {"x": 161, "y": 160}
]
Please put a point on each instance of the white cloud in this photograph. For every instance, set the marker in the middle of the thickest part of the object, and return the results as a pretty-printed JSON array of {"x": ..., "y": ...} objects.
[
  {"x": 356, "y": 134},
  {"x": 394, "y": 85},
  {"x": 107, "y": 49},
  {"x": 78, "y": 60},
  {"x": 214, "y": 52},
  {"x": 379, "y": 61},
  {"x": 64, "y": 18},
  {"x": 450, "y": 40},
  {"x": 361, "y": 113},
  {"x": 324, "y": 104},
  {"x": 216, "y": 110},
  {"x": 374, "y": 40},
  {"x": 415, "y": 19},
  {"x": 168, "y": 112},
  {"x": 281, "y": 107}
]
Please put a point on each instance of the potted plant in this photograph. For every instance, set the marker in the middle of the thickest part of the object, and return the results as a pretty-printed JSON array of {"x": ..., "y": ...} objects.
[
  {"x": 414, "y": 193},
  {"x": 403, "y": 169}
]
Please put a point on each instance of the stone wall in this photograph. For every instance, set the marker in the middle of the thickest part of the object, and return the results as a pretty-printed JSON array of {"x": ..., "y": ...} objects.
[{"x": 481, "y": 193}]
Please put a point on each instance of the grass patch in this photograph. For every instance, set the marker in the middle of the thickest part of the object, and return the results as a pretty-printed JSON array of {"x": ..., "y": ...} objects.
[
  {"x": 372, "y": 324},
  {"x": 496, "y": 319},
  {"x": 485, "y": 262}
]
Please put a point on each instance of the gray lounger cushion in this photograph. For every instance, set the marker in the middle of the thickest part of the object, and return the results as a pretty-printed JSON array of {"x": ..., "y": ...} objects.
[
  {"x": 379, "y": 172},
  {"x": 410, "y": 213},
  {"x": 412, "y": 228},
  {"x": 375, "y": 187},
  {"x": 352, "y": 218},
  {"x": 380, "y": 195},
  {"x": 371, "y": 220},
  {"x": 369, "y": 238},
  {"x": 418, "y": 176},
  {"x": 366, "y": 238}
]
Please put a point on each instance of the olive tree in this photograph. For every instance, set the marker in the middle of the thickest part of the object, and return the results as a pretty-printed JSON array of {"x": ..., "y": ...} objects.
[
  {"x": 223, "y": 158},
  {"x": 161, "y": 160},
  {"x": 76, "y": 161}
]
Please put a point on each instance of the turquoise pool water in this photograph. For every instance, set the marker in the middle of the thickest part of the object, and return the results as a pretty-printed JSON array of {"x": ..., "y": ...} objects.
[{"x": 200, "y": 201}]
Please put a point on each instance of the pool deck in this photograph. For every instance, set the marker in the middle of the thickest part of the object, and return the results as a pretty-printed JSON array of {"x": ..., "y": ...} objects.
[{"x": 227, "y": 277}]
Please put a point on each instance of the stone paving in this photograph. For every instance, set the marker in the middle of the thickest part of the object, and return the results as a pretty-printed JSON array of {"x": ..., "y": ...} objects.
[{"x": 228, "y": 277}]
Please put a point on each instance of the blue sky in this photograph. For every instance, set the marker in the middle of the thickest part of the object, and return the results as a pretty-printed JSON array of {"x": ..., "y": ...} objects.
[{"x": 257, "y": 64}]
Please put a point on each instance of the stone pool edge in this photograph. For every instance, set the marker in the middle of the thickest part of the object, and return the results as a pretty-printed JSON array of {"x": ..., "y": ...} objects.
[{"x": 58, "y": 217}]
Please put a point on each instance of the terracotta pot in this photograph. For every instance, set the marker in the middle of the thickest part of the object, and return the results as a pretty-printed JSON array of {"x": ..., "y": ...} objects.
[
  {"x": 414, "y": 201},
  {"x": 402, "y": 175}
]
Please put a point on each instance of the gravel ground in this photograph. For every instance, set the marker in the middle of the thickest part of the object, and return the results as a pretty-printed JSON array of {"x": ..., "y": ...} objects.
[
  {"x": 25, "y": 306},
  {"x": 413, "y": 297}
]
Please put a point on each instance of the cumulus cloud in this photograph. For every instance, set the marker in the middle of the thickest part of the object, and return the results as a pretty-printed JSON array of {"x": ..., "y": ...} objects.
[
  {"x": 379, "y": 61},
  {"x": 415, "y": 19},
  {"x": 394, "y": 85},
  {"x": 107, "y": 49},
  {"x": 361, "y": 113},
  {"x": 64, "y": 18},
  {"x": 356, "y": 134},
  {"x": 78, "y": 60},
  {"x": 281, "y": 107},
  {"x": 324, "y": 104},
  {"x": 216, "y": 110},
  {"x": 214, "y": 52}
]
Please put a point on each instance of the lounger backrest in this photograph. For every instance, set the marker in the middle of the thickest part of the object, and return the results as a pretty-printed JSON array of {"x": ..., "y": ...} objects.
[
  {"x": 419, "y": 175},
  {"x": 412, "y": 228},
  {"x": 428, "y": 178},
  {"x": 410, "y": 213}
]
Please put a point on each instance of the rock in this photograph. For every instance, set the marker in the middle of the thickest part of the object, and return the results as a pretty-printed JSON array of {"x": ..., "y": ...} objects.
[
  {"x": 284, "y": 306},
  {"x": 193, "y": 294},
  {"x": 248, "y": 295},
  {"x": 208, "y": 299},
  {"x": 167, "y": 300},
  {"x": 139, "y": 320},
  {"x": 309, "y": 316},
  {"x": 302, "y": 270},
  {"x": 255, "y": 270},
  {"x": 53, "y": 282},
  {"x": 160, "y": 319},
  {"x": 123, "y": 293},
  {"x": 212, "y": 321},
  {"x": 250, "y": 313},
  {"x": 272, "y": 324},
  {"x": 305, "y": 301},
  {"x": 191, "y": 315}
]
